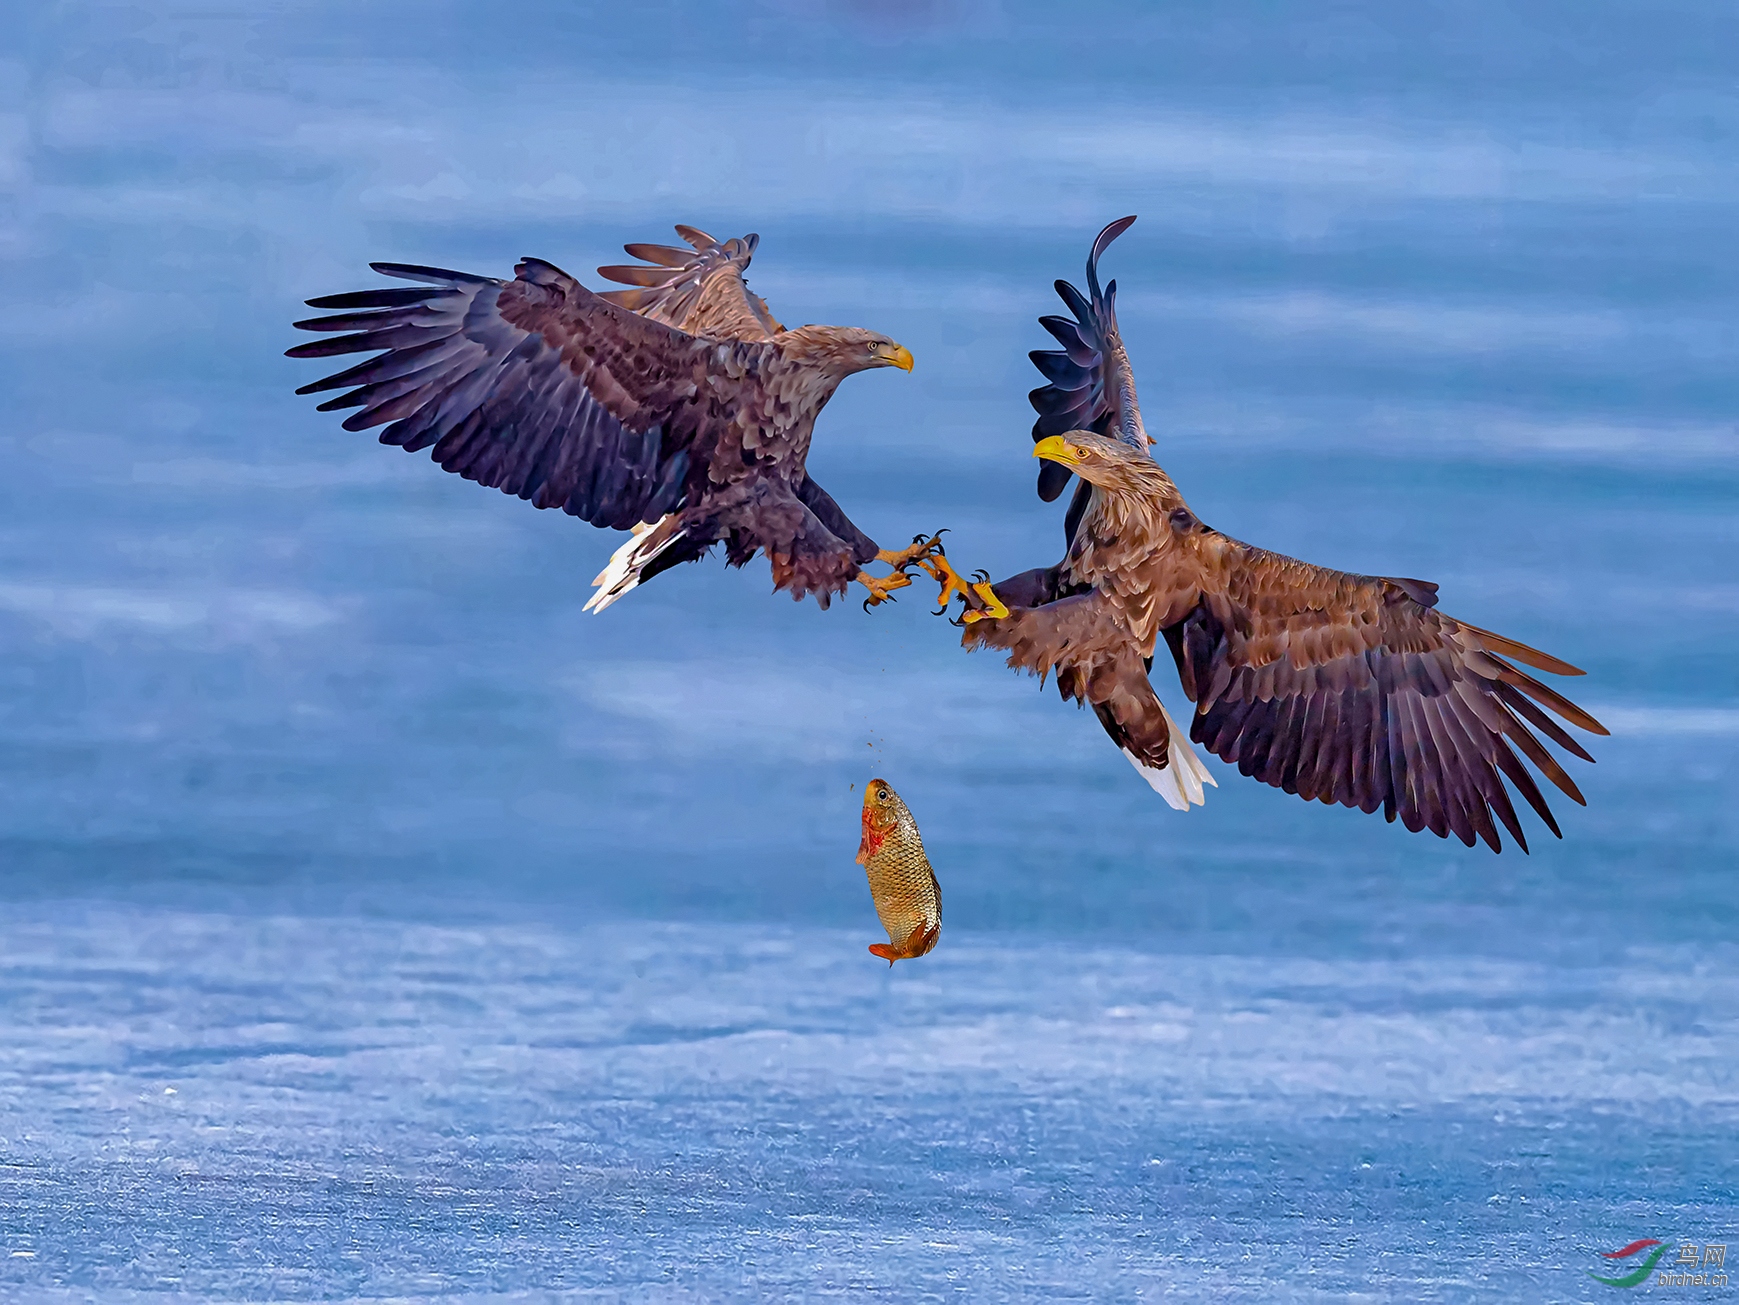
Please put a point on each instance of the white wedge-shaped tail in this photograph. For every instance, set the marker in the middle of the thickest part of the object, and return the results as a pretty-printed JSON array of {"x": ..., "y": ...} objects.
[
  {"x": 629, "y": 562},
  {"x": 1180, "y": 781}
]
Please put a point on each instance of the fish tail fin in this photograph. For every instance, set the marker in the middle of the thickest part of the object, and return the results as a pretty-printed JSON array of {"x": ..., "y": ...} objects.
[{"x": 923, "y": 939}]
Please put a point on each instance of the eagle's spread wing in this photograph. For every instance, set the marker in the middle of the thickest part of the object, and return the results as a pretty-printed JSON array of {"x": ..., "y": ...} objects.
[
  {"x": 699, "y": 290},
  {"x": 1355, "y": 689},
  {"x": 1092, "y": 386},
  {"x": 538, "y": 387}
]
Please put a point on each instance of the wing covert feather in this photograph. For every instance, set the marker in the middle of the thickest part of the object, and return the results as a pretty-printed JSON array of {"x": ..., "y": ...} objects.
[
  {"x": 1355, "y": 690},
  {"x": 702, "y": 291}
]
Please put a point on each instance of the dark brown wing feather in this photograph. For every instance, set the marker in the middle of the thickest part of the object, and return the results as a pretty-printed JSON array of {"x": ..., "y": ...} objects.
[
  {"x": 1355, "y": 690},
  {"x": 1091, "y": 385},
  {"x": 699, "y": 290},
  {"x": 537, "y": 387}
]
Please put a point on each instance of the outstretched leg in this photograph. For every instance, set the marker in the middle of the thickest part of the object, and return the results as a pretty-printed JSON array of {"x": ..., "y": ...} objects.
[
  {"x": 980, "y": 599},
  {"x": 921, "y": 552},
  {"x": 1037, "y": 587},
  {"x": 915, "y": 554},
  {"x": 881, "y": 587}
]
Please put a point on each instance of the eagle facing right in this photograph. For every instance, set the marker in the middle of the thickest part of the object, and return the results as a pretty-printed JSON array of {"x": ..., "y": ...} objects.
[{"x": 680, "y": 408}]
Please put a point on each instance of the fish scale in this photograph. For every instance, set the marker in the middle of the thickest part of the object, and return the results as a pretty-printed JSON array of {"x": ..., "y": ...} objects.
[{"x": 908, "y": 900}]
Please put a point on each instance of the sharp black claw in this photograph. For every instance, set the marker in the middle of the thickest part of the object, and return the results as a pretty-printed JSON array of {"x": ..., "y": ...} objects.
[
  {"x": 981, "y": 576},
  {"x": 866, "y": 604}
]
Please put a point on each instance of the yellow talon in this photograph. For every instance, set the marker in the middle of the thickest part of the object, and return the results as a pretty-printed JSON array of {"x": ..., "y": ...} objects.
[
  {"x": 927, "y": 555},
  {"x": 921, "y": 553},
  {"x": 920, "y": 550},
  {"x": 952, "y": 583},
  {"x": 994, "y": 607},
  {"x": 949, "y": 579},
  {"x": 881, "y": 587}
]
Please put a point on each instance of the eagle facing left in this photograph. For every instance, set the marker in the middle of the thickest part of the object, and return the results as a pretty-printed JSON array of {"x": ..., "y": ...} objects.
[{"x": 680, "y": 408}]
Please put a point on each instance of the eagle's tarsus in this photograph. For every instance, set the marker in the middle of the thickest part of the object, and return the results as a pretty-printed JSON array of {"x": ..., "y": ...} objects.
[
  {"x": 920, "y": 550},
  {"x": 881, "y": 587},
  {"x": 919, "y": 554},
  {"x": 971, "y": 593}
]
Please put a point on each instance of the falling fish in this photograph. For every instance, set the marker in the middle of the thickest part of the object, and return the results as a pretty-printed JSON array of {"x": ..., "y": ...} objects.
[{"x": 908, "y": 899}]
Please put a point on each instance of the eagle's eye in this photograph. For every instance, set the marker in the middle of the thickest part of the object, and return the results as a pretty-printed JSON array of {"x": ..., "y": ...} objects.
[{"x": 873, "y": 346}]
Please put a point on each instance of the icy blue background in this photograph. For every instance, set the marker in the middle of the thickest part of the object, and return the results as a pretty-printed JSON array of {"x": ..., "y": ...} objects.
[{"x": 377, "y": 924}]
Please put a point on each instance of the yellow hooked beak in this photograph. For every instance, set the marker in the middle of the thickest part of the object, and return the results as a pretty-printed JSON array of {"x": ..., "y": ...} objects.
[
  {"x": 901, "y": 357},
  {"x": 1054, "y": 448}
]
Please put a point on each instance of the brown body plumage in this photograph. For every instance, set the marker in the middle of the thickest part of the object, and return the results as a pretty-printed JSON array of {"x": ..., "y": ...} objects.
[
  {"x": 908, "y": 899},
  {"x": 1344, "y": 688},
  {"x": 681, "y": 408}
]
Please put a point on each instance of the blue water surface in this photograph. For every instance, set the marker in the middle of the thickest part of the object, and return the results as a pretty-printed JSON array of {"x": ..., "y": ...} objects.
[{"x": 379, "y": 925}]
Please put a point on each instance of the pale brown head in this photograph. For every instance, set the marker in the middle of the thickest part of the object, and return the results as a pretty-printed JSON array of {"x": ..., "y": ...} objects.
[
  {"x": 1107, "y": 463},
  {"x": 841, "y": 351}
]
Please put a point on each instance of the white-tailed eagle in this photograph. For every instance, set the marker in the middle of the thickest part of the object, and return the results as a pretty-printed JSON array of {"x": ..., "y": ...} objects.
[
  {"x": 1342, "y": 688},
  {"x": 679, "y": 409}
]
